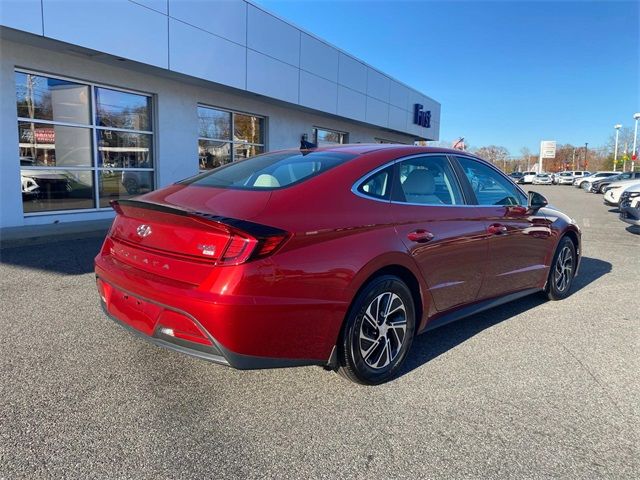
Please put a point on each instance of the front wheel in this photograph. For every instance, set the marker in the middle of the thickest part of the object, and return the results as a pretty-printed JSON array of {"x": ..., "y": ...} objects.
[
  {"x": 378, "y": 332},
  {"x": 603, "y": 188},
  {"x": 563, "y": 268}
]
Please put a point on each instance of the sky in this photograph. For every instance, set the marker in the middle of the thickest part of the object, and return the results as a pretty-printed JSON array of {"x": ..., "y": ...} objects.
[{"x": 508, "y": 73}]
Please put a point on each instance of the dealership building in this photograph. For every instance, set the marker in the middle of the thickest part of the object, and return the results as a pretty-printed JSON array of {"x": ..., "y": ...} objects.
[{"x": 107, "y": 99}]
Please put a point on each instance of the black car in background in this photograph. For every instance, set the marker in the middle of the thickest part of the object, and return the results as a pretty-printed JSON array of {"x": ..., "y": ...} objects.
[{"x": 600, "y": 186}]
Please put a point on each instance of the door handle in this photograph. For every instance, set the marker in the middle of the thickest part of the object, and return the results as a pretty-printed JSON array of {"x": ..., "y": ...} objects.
[
  {"x": 496, "y": 229},
  {"x": 420, "y": 236}
]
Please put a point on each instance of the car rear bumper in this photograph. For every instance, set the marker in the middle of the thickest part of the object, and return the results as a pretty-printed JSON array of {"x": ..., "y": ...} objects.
[{"x": 144, "y": 318}]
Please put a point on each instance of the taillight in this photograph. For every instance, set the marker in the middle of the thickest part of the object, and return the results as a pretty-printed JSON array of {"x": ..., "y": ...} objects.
[
  {"x": 269, "y": 245},
  {"x": 242, "y": 248},
  {"x": 238, "y": 250}
]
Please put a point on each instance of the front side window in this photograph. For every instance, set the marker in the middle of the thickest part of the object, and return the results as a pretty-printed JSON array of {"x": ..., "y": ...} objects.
[
  {"x": 224, "y": 137},
  {"x": 490, "y": 187},
  {"x": 74, "y": 158},
  {"x": 270, "y": 171},
  {"x": 326, "y": 138},
  {"x": 427, "y": 180}
]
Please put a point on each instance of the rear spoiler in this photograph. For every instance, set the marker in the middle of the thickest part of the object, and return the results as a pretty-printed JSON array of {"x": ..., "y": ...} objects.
[{"x": 257, "y": 230}]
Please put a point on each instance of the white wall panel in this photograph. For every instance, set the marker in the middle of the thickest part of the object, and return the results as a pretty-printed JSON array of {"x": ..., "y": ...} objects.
[
  {"x": 225, "y": 18},
  {"x": 272, "y": 36},
  {"x": 352, "y": 73},
  {"x": 271, "y": 77},
  {"x": 318, "y": 93},
  {"x": 351, "y": 104},
  {"x": 319, "y": 58},
  {"x": 398, "y": 94},
  {"x": 215, "y": 59},
  {"x": 22, "y": 15},
  {"x": 377, "y": 85},
  {"x": 398, "y": 118},
  {"x": 377, "y": 112},
  {"x": 157, "y": 5},
  {"x": 134, "y": 32}
]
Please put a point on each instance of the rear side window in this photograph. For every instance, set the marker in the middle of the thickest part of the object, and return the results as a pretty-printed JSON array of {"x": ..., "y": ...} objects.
[
  {"x": 270, "y": 171},
  {"x": 377, "y": 185},
  {"x": 490, "y": 186},
  {"x": 427, "y": 180}
]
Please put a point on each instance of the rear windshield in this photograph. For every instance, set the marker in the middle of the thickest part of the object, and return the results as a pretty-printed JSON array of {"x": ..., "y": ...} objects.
[{"x": 271, "y": 170}]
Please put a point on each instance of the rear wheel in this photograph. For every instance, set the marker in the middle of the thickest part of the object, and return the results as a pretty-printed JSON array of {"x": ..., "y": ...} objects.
[
  {"x": 378, "y": 332},
  {"x": 562, "y": 270}
]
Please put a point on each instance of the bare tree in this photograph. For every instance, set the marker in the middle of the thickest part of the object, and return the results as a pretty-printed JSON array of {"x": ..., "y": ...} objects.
[{"x": 495, "y": 154}]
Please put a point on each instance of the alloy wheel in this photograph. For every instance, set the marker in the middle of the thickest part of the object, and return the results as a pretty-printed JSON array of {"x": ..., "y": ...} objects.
[
  {"x": 563, "y": 270},
  {"x": 383, "y": 330}
]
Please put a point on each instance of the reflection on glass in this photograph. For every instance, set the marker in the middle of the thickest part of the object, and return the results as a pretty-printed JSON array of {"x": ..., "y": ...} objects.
[
  {"x": 46, "y": 190},
  {"x": 54, "y": 145},
  {"x": 328, "y": 137},
  {"x": 247, "y": 128},
  {"x": 45, "y": 98},
  {"x": 214, "y": 123},
  {"x": 124, "y": 149},
  {"x": 245, "y": 151},
  {"x": 115, "y": 184},
  {"x": 213, "y": 154},
  {"x": 122, "y": 110}
]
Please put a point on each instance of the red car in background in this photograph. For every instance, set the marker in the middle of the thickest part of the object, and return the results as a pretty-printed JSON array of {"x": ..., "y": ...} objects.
[{"x": 334, "y": 256}]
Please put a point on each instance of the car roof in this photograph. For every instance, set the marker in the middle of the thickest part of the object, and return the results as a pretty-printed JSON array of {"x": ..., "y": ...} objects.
[{"x": 362, "y": 148}]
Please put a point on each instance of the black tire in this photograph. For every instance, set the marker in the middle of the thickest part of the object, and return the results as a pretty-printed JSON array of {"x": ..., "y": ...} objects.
[
  {"x": 603, "y": 188},
  {"x": 562, "y": 271},
  {"x": 358, "y": 348}
]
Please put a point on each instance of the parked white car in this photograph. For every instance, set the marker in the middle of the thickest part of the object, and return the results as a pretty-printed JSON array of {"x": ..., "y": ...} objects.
[
  {"x": 614, "y": 191},
  {"x": 542, "y": 179},
  {"x": 568, "y": 177},
  {"x": 580, "y": 182},
  {"x": 527, "y": 177},
  {"x": 630, "y": 205}
]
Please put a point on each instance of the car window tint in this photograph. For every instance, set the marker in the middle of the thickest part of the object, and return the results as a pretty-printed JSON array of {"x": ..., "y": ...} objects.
[
  {"x": 427, "y": 180},
  {"x": 377, "y": 185},
  {"x": 489, "y": 186}
]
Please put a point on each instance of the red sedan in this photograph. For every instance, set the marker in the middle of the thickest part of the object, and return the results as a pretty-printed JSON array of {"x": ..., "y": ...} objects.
[{"x": 334, "y": 256}]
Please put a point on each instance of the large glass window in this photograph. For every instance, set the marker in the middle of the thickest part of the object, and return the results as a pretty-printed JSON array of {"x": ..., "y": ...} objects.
[
  {"x": 74, "y": 136},
  {"x": 490, "y": 187},
  {"x": 225, "y": 136},
  {"x": 326, "y": 138}
]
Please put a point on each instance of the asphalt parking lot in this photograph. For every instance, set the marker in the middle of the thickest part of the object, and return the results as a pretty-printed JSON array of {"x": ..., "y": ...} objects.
[{"x": 527, "y": 390}]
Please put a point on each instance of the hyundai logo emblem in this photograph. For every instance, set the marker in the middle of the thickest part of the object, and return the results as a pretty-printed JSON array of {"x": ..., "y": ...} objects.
[{"x": 144, "y": 230}]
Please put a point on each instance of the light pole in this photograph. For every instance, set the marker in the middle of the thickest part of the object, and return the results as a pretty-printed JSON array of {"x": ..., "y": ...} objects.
[
  {"x": 586, "y": 164},
  {"x": 615, "y": 153},
  {"x": 634, "y": 154}
]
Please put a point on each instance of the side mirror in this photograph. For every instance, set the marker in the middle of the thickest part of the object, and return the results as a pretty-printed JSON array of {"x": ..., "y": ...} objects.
[{"x": 537, "y": 201}]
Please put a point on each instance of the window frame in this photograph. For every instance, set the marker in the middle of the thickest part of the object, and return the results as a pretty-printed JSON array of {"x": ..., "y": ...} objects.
[
  {"x": 95, "y": 169},
  {"x": 468, "y": 190},
  {"x": 462, "y": 186},
  {"x": 232, "y": 129}
]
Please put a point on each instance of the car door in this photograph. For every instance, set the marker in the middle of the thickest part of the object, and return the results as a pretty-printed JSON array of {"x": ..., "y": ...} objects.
[
  {"x": 445, "y": 237},
  {"x": 519, "y": 240}
]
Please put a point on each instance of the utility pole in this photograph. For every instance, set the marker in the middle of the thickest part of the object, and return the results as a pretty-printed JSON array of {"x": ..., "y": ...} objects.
[{"x": 586, "y": 162}]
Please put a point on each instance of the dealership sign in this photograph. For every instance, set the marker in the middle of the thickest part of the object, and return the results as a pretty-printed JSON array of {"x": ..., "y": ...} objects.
[
  {"x": 548, "y": 149},
  {"x": 421, "y": 117}
]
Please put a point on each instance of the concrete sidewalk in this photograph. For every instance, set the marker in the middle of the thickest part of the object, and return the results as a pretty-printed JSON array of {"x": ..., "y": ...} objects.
[{"x": 40, "y": 234}]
